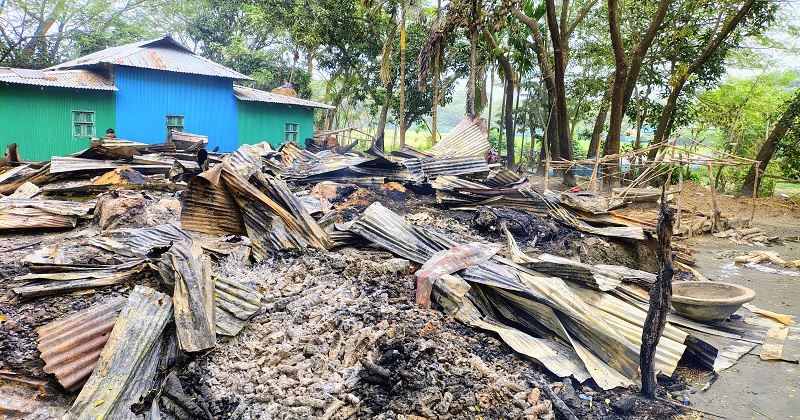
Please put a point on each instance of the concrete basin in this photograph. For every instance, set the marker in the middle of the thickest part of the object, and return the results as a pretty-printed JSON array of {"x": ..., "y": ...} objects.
[{"x": 709, "y": 301}]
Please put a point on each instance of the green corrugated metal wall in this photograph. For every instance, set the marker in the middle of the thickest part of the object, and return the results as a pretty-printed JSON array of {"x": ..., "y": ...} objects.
[
  {"x": 260, "y": 121},
  {"x": 39, "y": 119}
]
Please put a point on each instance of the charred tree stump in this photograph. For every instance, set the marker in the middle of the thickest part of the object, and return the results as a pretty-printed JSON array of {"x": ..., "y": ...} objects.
[{"x": 660, "y": 295}]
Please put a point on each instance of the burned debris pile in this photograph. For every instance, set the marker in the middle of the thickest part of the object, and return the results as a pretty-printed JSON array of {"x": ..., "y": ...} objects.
[{"x": 180, "y": 283}]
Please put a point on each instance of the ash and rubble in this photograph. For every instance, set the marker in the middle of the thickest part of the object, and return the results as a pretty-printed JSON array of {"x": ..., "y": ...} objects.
[{"x": 324, "y": 323}]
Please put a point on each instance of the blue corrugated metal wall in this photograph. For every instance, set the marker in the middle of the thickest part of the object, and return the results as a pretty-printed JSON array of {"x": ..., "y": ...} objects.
[{"x": 146, "y": 97}]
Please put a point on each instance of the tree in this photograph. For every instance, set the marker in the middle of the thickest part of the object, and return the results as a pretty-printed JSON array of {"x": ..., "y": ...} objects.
[
  {"x": 789, "y": 122},
  {"x": 724, "y": 33},
  {"x": 41, "y": 33}
]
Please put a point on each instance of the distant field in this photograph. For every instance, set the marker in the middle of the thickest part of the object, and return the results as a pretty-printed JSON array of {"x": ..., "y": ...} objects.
[{"x": 787, "y": 188}]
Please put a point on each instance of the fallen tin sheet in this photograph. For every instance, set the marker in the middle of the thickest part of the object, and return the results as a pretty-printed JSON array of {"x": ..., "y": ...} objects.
[
  {"x": 273, "y": 217},
  {"x": 129, "y": 360},
  {"x": 71, "y": 346},
  {"x": 469, "y": 138},
  {"x": 140, "y": 242},
  {"x": 46, "y": 284},
  {"x": 605, "y": 343},
  {"x": 206, "y": 199},
  {"x": 234, "y": 303},
  {"x": 86, "y": 167},
  {"x": 24, "y": 213},
  {"x": 193, "y": 295}
]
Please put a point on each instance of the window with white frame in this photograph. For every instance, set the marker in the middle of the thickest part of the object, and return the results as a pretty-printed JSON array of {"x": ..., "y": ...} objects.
[
  {"x": 290, "y": 132},
  {"x": 83, "y": 124}
]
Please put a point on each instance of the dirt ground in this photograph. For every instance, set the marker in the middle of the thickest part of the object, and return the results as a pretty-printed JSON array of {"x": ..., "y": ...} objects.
[
  {"x": 339, "y": 335},
  {"x": 753, "y": 388}
]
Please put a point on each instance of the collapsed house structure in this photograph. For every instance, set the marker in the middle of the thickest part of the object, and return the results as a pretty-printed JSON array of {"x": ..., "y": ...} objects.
[{"x": 578, "y": 320}]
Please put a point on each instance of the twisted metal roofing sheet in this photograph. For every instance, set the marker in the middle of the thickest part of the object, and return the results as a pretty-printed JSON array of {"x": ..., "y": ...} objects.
[
  {"x": 71, "y": 346},
  {"x": 235, "y": 303},
  {"x": 157, "y": 54},
  {"x": 469, "y": 138},
  {"x": 244, "y": 93},
  {"x": 75, "y": 79}
]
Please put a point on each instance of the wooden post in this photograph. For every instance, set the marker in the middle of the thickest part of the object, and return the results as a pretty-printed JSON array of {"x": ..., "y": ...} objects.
[
  {"x": 714, "y": 208},
  {"x": 680, "y": 191},
  {"x": 546, "y": 173},
  {"x": 660, "y": 296},
  {"x": 755, "y": 194}
]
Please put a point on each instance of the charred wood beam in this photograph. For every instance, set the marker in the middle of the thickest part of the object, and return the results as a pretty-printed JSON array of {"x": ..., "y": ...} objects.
[{"x": 660, "y": 295}]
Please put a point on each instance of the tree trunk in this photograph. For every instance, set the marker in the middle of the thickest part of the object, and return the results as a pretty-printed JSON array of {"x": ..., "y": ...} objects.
[
  {"x": 436, "y": 58},
  {"x": 472, "y": 65},
  {"x": 787, "y": 121},
  {"x": 508, "y": 99},
  {"x": 381, "y": 128},
  {"x": 402, "y": 112},
  {"x": 599, "y": 124},
  {"x": 660, "y": 295},
  {"x": 611, "y": 172},
  {"x": 564, "y": 142},
  {"x": 637, "y": 57}
]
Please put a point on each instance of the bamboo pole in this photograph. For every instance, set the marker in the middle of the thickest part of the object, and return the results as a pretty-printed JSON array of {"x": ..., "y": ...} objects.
[
  {"x": 714, "y": 208},
  {"x": 755, "y": 194},
  {"x": 680, "y": 189}
]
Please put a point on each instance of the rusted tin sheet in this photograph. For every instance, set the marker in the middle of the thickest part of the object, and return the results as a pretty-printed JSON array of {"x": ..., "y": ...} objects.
[
  {"x": 469, "y": 165},
  {"x": 504, "y": 179},
  {"x": 193, "y": 295},
  {"x": 467, "y": 139},
  {"x": 235, "y": 303},
  {"x": 24, "y": 213},
  {"x": 158, "y": 54},
  {"x": 205, "y": 201},
  {"x": 274, "y": 218},
  {"x": 68, "y": 164},
  {"x": 128, "y": 361},
  {"x": 243, "y": 93},
  {"x": 74, "y": 79},
  {"x": 140, "y": 242},
  {"x": 63, "y": 282},
  {"x": 71, "y": 346}
]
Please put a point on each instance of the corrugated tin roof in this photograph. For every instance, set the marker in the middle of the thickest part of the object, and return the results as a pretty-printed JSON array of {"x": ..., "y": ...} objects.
[
  {"x": 71, "y": 346},
  {"x": 469, "y": 138},
  {"x": 157, "y": 54},
  {"x": 76, "y": 79},
  {"x": 235, "y": 304},
  {"x": 243, "y": 93}
]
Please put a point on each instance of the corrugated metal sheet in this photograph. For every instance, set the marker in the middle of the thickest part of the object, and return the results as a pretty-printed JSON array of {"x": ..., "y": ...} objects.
[
  {"x": 235, "y": 304},
  {"x": 205, "y": 201},
  {"x": 71, "y": 346},
  {"x": 469, "y": 138},
  {"x": 39, "y": 118},
  {"x": 504, "y": 178},
  {"x": 74, "y": 79},
  {"x": 193, "y": 297},
  {"x": 146, "y": 97},
  {"x": 475, "y": 166},
  {"x": 64, "y": 164},
  {"x": 140, "y": 242},
  {"x": 24, "y": 213},
  {"x": 61, "y": 282},
  {"x": 244, "y": 93},
  {"x": 157, "y": 54},
  {"x": 129, "y": 360}
]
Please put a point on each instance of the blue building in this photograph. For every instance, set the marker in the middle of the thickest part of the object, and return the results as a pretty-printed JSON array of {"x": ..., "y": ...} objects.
[{"x": 155, "y": 86}]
